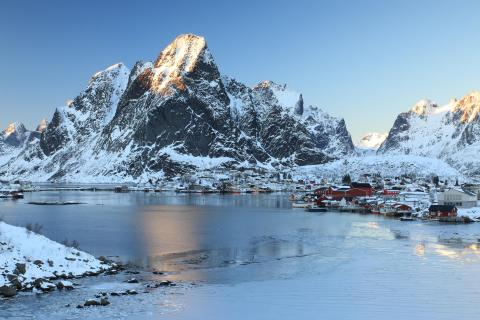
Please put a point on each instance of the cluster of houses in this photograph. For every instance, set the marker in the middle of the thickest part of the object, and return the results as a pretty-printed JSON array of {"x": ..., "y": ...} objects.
[{"x": 403, "y": 200}]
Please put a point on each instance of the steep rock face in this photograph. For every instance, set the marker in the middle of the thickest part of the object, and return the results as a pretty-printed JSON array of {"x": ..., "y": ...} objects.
[
  {"x": 450, "y": 133},
  {"x": 176, "y": 115},
  {"x": 66, "y": 143}
]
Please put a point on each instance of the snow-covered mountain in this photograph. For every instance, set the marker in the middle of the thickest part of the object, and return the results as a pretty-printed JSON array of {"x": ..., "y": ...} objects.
[
  {"x": 13, "y": 139},
  {"x": 176, "y": 115},
  {"x": 370, "y": 142},
  {"x": 450, "y": 133}
]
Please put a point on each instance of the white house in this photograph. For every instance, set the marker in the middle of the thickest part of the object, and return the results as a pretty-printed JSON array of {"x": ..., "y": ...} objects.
[{"x": 458, "y": 197}]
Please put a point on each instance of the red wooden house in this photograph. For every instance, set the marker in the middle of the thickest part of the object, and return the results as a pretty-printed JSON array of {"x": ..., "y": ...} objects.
[
  {"x": 442, "y": 211},
  {"x": 348, "y": 193}
]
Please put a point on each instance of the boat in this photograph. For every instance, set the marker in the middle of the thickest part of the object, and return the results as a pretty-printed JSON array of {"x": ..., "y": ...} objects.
[
  {"x": 407, "y": 219},
  {"x": 302, "y": 204},
  {"x": 316, "y": 209},
  {"x": 389, "y": 211},
  {"x": 11, "y": 195}
]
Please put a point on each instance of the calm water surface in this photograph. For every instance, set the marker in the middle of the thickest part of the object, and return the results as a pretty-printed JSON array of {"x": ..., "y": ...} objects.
[{"x": 344, "y": 260}]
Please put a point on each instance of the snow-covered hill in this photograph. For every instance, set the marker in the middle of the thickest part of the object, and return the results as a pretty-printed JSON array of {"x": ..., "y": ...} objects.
[
  {"x": 384, "y": 165},
  {"x": 175, "y": 115},
  {"x": 450, "y": 133}
]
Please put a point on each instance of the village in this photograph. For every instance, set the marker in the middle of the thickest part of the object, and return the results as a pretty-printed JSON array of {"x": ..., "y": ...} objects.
[{"x": 405, "y": 198}]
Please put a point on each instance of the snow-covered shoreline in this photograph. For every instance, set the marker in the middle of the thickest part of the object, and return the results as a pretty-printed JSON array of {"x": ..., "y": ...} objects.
[{"x": 30, "y": 261}]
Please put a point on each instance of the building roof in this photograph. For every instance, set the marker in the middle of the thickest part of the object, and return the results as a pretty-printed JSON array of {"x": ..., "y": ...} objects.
[
  {"x": 445, "y": 207},
  {"x": 360, "y": 185}
]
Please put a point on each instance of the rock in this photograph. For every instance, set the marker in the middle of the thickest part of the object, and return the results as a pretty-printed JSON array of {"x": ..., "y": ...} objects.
[
  {"x": 166, "y": 283},
  {"x": 14, "y": 281},
  {"x": 37, "y": 283},
  {"x": 67, "y": 285},
  {"x": 158, "y": 272},
  {"x": 79, "y": 306},
  {"x": 91, "y": 302},
  {"x": 104, "y": 260},
  {"x": 21, "y": 268},
  {"x": 104, "y": 302},
  {"x": 132, "y": 280},
  {"x": 38, "y": 263},
  {"x": 8, "y": 290},
  {"x": 131, "y": 272},
  {"x": 111, "y": 272},
  {"x": 50, "y": 263},
  {"x": 115, "y": 294},
  {"x": 47, "y": 286},
  {"x": 132, "y": 292}
]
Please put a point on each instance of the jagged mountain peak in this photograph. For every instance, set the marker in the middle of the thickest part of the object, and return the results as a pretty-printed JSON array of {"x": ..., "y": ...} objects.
[
  {"x": 469, "y": 106},
  {"x": 110, "y": 72},
  {"x": 268, "y": 84},
  {"x": 424, "y": 107},
  {"x": 14, "y": 128},
  {"x": 14, "y": 135},
  {"x": 42, "y": 125},
  {"x": 183, "y": 57}
]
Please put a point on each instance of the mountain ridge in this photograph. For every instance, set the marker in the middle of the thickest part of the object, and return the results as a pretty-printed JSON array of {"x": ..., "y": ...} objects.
[{"x": 177, "y": 115}]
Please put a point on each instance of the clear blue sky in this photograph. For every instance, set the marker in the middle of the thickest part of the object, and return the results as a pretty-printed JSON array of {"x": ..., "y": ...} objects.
[{"x": 365, "y": 61}]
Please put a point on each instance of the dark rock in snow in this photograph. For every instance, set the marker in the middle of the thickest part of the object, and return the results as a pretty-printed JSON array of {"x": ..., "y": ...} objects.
[
  {"x": 20, "y": 268},
  {"x": 91, "y": 302},
  {"x": 132, "y": 280},
  {"x": 8, "y": 290}
]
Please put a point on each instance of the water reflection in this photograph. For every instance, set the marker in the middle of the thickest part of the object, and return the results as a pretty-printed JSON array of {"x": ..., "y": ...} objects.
[
  {"x": 198, "y": 239},
  {"x": 371, "y": 230},
  {"x": 420, "y": 250}
]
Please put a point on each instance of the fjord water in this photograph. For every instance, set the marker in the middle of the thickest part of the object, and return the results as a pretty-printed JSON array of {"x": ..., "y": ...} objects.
[{"x": 254, "y": 257}]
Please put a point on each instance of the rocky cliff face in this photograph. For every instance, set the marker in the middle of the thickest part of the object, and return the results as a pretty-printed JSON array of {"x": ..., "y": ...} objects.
[
  {"x": 450, "y": 133},
  {"x": 175, "y": 115}
]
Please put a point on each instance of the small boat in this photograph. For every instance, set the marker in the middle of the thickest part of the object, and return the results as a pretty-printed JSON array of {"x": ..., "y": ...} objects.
[
  {"x": 11, "y": 195},
  {"x": 301, "y": 204},
  {"x": 407, "y": 219},
  {"x": 316, "y": 209}
]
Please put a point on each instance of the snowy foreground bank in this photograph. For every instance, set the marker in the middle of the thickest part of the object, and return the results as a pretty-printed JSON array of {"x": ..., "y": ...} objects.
[{"x": 29, "y": 261}]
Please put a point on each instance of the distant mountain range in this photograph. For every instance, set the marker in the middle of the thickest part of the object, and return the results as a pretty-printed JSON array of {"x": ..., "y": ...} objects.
[{"x": 179, "y": 114}]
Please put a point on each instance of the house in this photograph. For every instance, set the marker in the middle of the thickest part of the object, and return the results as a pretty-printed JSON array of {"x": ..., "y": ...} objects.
[
  {"x": 402, "y": 208},
  {"x": 438, "y": 211},
  {"x": 346, "y": 192},
  {"x": 458, "y": 197}
]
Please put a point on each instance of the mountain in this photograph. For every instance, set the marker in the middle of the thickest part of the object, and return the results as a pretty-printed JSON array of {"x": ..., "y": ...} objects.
[
  {"x": 371, "y": 141},
  {"x": 175, "y": 115},
  {"x": 14, "y": 139},
  {"x": 450, "y": 133}
]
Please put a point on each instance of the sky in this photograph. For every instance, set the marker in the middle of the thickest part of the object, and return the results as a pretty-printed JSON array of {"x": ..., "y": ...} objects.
[{"x": 365, "y": 61}]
